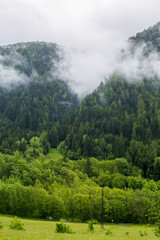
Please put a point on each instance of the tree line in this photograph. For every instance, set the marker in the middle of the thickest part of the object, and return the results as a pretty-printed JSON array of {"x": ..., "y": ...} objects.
[{"x": 34, "y": 185}]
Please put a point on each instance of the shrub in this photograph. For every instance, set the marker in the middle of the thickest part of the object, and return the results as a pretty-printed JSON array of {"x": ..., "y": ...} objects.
[
  {"x": 16, "y": 224},
  {"x": 109, "y": 232},
  {"x": 142, "y": 234},
  {"x": 90, "y": 225},
  {"x": 63, "y": 228}
]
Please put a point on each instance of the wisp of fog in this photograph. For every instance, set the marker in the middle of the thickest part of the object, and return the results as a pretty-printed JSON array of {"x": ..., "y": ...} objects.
[
  {"x": 85, "y": 70},
  {"x": 10, "y": 78}
]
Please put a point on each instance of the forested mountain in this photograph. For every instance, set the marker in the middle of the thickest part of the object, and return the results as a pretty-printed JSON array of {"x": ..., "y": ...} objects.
[
  {"x": 119, "y": 119},
  {"x": 32, "y": 98},
  {"x": 109, "y": 165},
  {"x": 122, "y": 117}
]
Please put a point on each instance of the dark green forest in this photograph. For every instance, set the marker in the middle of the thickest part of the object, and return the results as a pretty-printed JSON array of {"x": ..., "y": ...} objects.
[
  {"x": 120, "y": 119},
  {"x": 109, "y": 142}
]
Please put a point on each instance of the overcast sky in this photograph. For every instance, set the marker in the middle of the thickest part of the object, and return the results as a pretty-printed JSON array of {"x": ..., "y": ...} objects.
[
  {"x": 95, "y": 28},
  {"x": 77, "y": 23}
]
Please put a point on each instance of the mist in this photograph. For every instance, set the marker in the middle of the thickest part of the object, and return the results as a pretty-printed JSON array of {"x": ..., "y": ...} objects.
[
  {"x": 10, "y": 78},
  {"x": 85, "y": 70},
  {"x": 82, "y": 70},
  {"x": 135, "y": 66},
  {"x": 91, "y": 32}
]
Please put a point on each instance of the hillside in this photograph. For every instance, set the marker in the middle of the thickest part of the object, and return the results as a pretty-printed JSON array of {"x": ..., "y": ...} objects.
[
  {"x": 32, "y": 98},
  {"x": 107, "y": 163},
  {"x": 121, "y": 117}
]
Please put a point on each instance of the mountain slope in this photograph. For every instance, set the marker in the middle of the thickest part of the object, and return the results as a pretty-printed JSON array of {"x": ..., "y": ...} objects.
[
  {"x": 32, "y": 98},
  {"x": 150, "y": 36},
  {"x": 32, "y": 58},
  {"x": 121, "y": 118},
  {"x": 116, "y": 120}
]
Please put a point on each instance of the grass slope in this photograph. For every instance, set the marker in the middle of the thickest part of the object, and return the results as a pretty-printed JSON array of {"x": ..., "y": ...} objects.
[
  {"x": 45, "y": 230},
  {"x": 54, "y": 153}
]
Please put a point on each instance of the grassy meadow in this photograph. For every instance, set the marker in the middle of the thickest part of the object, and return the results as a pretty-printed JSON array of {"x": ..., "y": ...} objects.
[
  {"x": 45, "y": 230},
  {"x": 54, "y": 153}
]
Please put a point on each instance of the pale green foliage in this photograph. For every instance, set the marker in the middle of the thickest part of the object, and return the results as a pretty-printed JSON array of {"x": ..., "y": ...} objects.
[
  {"x": 90, "y": 225},
  {"x": 16, "y": 224},
  {"x": 154, "y": 210},
  {"x": 63, "y": 228},
  {"x": 35, "y": 147}
]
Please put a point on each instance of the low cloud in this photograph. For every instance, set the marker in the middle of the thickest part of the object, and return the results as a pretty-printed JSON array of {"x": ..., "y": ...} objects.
[
  {"x": 96, "y": 29},
  {"x": 82, "y": 70},
  {"x": 85, "y": 70},
  {"x": 137, "y": 66},
  {"x": 10, "y": 78}
]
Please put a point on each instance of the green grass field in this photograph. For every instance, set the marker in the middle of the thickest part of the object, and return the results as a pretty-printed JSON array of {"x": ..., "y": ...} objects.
[
  {"x": 54, "y": 153},
  {"x": 45, "y": 230}
]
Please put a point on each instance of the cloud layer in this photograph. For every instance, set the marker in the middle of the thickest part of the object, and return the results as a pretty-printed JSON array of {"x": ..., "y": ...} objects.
[
  {"x": 85, "y": 70},
  {"x": 75, "y": 23},
  {"x": 97, "y": 29}
]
